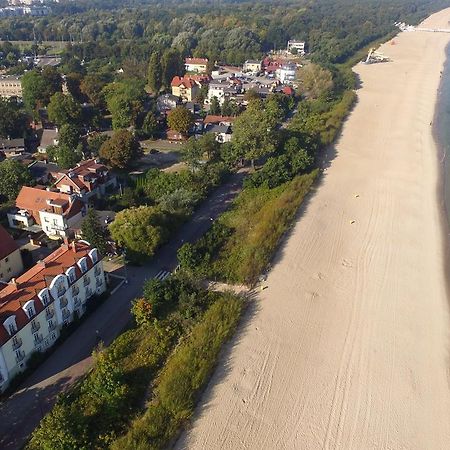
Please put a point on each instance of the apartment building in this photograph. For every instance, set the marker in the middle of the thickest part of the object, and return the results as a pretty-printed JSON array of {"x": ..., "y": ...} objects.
[
  {"x": 11, "y": 264},
  {"x": 35, "y": 306},
  {"x": 198, "y": 65},
  {"x": 10, "y": 86}
]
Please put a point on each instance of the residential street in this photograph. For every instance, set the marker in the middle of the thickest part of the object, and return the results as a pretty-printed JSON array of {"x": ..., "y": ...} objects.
[{"x": 21, "y": 413}]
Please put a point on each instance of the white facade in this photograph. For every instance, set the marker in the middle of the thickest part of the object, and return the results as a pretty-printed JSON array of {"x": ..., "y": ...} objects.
[
  {"x": 286, "y": 73},
  {"x": 54, "y": 224},
  {"x": 300, "y": 46},
  {"x": 63, "y": 301}
]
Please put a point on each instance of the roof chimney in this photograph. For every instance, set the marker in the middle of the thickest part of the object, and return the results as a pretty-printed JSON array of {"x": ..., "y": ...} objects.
[{"x": 41, "y": 263}]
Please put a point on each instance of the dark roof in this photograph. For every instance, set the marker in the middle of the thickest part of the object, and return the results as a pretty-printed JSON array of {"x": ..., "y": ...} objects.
[
  {"x": 7, "y": 243},
  {"x": 6, "y": 144},
  {"x": 40, "y": 169}
]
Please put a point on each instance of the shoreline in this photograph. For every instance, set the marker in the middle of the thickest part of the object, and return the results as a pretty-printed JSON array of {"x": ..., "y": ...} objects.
[
  {"x": 349, "y": 345},
  {"x": 443, "y": 161}
]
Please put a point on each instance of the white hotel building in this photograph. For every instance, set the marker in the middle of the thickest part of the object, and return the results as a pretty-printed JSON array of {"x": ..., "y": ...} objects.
[{"x": 35, "y": 306}]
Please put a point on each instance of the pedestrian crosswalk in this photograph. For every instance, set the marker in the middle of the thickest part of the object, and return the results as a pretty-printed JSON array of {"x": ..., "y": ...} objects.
[{"x": 162, "y": 275}]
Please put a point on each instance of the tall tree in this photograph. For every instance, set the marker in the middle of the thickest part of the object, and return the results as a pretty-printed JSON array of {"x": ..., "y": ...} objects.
[
  {"x": 63, "y": 109},
  {"x": 172, "y": 64},
  {"x": 180, "y": 119},
  {"x": 12, "y": 120},
  {"x": 154, "y": 73},
  {"x": 13, "y": 175},
  {"x": 93, "y": 231},
  {"x": 121, "y": 149},
  {"x": 214, "y": 107}
]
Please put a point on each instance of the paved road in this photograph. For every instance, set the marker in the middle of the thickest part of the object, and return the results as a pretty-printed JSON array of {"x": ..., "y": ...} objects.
[{"x": 21, "y": 413}]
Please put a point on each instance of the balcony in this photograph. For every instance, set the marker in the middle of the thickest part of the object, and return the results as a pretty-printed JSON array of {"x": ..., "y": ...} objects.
[
  {"x": 63, "y": 302},
  {"x": 20, "y": 356},
  {"x": 38, "y": 338},
  {"x": 98, "y": 282},
  {"x": 65, "y": 314},
  {"x": 75, "y": 290},
  {"x": 86, "y": 281},
  {"x": 49, "y": 313},
  {"x": 51, "y": 326},
  {"x": 77, "y": 302},
  {"x": 97, "y": 271},
  {"x": 17, "y": 343},
  {"x": 35, "y": 327},
  {"x": 88, "y": 293}
]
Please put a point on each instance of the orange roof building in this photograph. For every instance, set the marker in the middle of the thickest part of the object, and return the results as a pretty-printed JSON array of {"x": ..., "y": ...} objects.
[
  {"x": 35, "y": 306},
  {"x": 55, "y": 212},
  {"x": 188, "y": 87}
]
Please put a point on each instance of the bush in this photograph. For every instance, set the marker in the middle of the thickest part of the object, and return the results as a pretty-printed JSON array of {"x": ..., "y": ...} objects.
[{"x": 183, "y": 377}]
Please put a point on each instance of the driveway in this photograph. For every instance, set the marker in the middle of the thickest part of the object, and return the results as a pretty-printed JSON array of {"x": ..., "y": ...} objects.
[{"x": 21, "y": 413}]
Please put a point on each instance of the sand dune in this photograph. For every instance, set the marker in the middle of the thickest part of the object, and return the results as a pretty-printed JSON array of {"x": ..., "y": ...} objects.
[{"x": 349, "y": 345}]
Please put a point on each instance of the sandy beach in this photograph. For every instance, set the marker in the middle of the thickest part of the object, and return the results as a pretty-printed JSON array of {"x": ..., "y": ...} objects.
[{"x": 348, "y": 347}]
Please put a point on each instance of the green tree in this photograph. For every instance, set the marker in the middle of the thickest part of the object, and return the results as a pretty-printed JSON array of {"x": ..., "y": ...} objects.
[
  {"x": 33, "y": 90},
  {"x": 180, "y": 119},
  {"x": 316, "y": 80},
  {"x": 67, "y": 157},
  {"x": 63, "y": 109},
  {"x": 172, "y": 64},
  {"x": 192, "y": 154},
  {"x": 154, "y": 73},
  {"x": 150, "y": 125},
  {"x": 95, "y": 141},
  {"x": 141, "y": 310},
  {"x": 139, "y": 229},
  {"x": 91, "y": 86},
  {"x": 13, "y": 175},
  {"x": 214, "y": 107},
  {"x": 209, "y": 145},
  {"x": 253, "y": 134},
  {"x": 12, "y": 120},
  {"x": 121, "y": 149},
  {"x": 69, "y": 136},
  {"x": 93, "y": 231}
]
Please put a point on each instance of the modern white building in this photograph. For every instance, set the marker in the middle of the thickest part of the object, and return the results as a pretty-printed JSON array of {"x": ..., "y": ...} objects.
[
  {"x": 252, "y": 65},
  {"x": 35, "y": 306},
  {"x": 286, "y": 73},
  {"x": 298, "y": 47}
]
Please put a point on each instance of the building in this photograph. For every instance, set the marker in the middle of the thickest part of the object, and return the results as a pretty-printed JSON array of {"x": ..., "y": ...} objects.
[
  {"x": 252, "y": 65},
  {"x": 49, "y": 137},
  {"x": 88, "y": 179},
  {"x": 12, "y": 147},
  {"x": 286, "y": 73},
  {"x": 198, "y": 65},
  {"x": 222, "y": 132},
  {"x": 35, "y": 306},
  {"x": 167, "y": 102},
  {"x": 10, "y": 86},
  {"x": 296, "y": 47},
  {"x": 56, "y": 213},
  {"x": 223, "y": 90},
  {"x": 11, "y": 264},
  {"x": 185, "y": 88}
]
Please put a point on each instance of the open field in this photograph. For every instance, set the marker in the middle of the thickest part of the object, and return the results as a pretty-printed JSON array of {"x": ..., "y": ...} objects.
[{"x": 348, "y": 346}]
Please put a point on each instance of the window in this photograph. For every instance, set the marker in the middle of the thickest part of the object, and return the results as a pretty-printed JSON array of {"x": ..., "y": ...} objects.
[
  {"x": 9, "y": 269},
  {"x": 12, "y": 328},
  {"x": 6, "y": 259}
]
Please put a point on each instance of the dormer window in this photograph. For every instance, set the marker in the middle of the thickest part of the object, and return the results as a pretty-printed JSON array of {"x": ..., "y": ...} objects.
[
  {"x": 82, "y": 264},
  {"x": 71, "y": 274},
  {"x": 93, "y": 254},
  {"x": 10, "y": 325},
  {"x": 12, "y": 328},
  {"x": 44, "y": 297},
  {"x": 29, "y": 309}
]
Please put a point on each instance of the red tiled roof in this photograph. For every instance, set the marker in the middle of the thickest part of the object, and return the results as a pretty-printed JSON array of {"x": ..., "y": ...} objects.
[
  {"x": 196, "y": 61},
  {"x": 189, "y": 80},
  {"x": 288, "y": 90},
  {"x": 28, "y": 285},
  {"x": 217, "y": 119},
  {"x": 7, "y": 243},
  {"x": 34, "y": 200}
]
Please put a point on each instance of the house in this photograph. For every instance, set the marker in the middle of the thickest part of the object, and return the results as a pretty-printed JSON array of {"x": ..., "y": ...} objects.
[
  {"x": 56, "y": 213},
  {"x": 286, "y": 73},
  {"x": 10, "y": 86},
  {"x": 198, "y": 65},
  {"x": 221, "y": 131},
  {"x": 10, "y": 258},
  {"x": 35, "y": 306},
  {"x": 88, "y": 179},
  {"x": 41, "y": 171},
  {"x": 12, "y": 147},
  {"x": 218, "y": 120},
  {"x": 185, "y": 87},
  {"x": 167, "y": 102},
  {"x": 296, "y": 47},
  {"x": 49, "y": 137},
  {"x": 252, "y": 65},
  {"x": 223, "y": 90}
]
